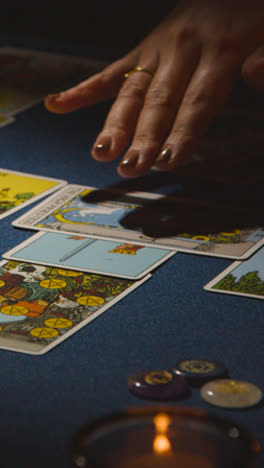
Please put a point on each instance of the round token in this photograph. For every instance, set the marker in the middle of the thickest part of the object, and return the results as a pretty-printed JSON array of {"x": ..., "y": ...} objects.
[
  {"x": 197, "y": 372},
  {"x": 158, "y": 385},
  {"x": 229, "y": 393}
]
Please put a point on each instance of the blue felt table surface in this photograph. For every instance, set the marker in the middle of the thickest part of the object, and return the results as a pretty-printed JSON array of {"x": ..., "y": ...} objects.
[{"x": 45, "y": 399}]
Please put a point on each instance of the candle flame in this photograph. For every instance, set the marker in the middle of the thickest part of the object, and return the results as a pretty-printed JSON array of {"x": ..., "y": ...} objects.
[
  {"x": 161, "y": 422},
  {"x": 161, "y": 443}
]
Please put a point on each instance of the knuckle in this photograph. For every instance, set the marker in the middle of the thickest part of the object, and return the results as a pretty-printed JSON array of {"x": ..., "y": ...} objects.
[
  {"x": 225, "y": 46},
  {"x": 132, "y": 90},
  {"x": 181, "y": 36},
  {"x": 105, "y": 76},
  {"x": 117, "y": 126},
  {"x": 159, "y": 96},
  {"x": 184, "y": 35},
  {"x": 197, "y": 97},
  {"x": 148, "y": 140},
  {"x": 210, "y": 87}
]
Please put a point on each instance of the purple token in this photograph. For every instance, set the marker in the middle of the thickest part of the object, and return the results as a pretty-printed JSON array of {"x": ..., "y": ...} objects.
[{"x": 158, "y": 385}]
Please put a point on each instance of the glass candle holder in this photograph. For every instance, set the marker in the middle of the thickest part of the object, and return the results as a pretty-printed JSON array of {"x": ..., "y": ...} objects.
[{"x": 163, "y": 437}]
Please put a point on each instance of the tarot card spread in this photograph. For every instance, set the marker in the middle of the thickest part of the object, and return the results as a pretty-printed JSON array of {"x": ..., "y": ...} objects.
[
  {"x": 42, "y": 306},
  {"x": 146, "y": 219},
  {"x": 99, "y": 256}
]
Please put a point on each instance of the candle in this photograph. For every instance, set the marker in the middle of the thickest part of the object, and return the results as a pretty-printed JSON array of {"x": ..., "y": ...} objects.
[
  {"x": 150, "y": 438},
  {"x": 163, "y": 455},
  {"x": 177, "y": 460}
]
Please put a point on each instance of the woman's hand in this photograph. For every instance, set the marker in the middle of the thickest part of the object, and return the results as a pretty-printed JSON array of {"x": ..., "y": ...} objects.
[
  {"x": 192, "y": 60},
  {"x": 253, "y": 69}
]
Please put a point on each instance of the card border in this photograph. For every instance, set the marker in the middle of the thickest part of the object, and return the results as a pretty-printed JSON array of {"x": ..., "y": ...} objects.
[
  {"x": 8, "y": 119},
  {"x": 82, "y": 324},
  {"x": 60, "y": 183},
  {"x": 9, "y": 255},
  {"x": 233, "y": 266},
  {"x": 76, "y": 189}
]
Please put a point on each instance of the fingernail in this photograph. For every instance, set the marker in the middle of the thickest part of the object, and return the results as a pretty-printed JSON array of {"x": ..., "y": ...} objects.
[
  {"x": 165, "y": 155},
  {"x": 103, "y": 144},
  {"x": 54, "y": 97},
  {"x": 130, "y": 161}
]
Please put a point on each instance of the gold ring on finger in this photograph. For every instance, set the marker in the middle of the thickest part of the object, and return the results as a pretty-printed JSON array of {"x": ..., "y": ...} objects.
[{"x": 137, "y": 69}]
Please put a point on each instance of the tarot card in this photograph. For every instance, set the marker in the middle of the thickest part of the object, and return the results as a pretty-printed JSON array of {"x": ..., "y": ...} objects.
[
  {"x": 242, "y": 278},
  {"x": 26, "y": 76},
  {"x": 99, "y": 256},
  {"x": 146, "y": 219},
  {"x": 19, "y": 189},
  {"x": 41, "y": 306},
  {"x": 6, "y": 120}
]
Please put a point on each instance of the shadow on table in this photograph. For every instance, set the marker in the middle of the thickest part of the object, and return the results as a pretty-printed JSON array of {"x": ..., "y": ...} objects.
[
  {"x": 221, "y": 190},
  {"x": 196, "y": 208}
]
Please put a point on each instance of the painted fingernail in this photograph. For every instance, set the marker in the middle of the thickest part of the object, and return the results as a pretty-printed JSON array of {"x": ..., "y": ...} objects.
[
  {"x": 130, "y": 161},
  {"x": 165, "y": 155},
  {"x": 54, "y": 97},
  {"x": 103, "y": 144}
]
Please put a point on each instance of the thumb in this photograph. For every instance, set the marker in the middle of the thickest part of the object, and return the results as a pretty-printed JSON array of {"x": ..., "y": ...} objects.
[{"x": 253, "y": 69}]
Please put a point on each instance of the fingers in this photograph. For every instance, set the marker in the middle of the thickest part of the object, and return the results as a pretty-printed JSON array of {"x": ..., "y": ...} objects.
[
  {"x": 157, "y": 111},
  {"x": 177, "y": 111},
  {"x": 102, "y": 86},
  {"x": 122, "y": 118},
  {"x": 206, "y": 94},
  {"x": 253, "y": 69},
  {"x": 166, "y": 115}
]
